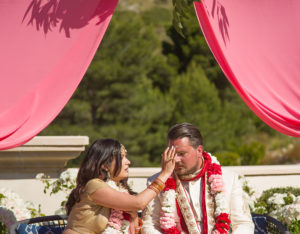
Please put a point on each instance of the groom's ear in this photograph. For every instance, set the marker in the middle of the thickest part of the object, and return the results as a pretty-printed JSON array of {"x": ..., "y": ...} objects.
[{"x": 200, "y": 150}]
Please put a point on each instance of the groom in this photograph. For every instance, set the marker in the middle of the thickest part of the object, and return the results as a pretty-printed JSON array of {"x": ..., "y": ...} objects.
[{"x": 200, "y": 197}]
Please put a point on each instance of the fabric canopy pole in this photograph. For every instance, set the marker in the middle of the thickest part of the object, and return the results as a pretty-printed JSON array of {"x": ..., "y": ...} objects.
[
  {"x": 256, "y": 43},
  {"x": 46, "y": 47}
]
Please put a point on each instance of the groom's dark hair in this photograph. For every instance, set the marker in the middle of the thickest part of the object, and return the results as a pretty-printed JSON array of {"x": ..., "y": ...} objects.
[{"x": 182, "y": 130}]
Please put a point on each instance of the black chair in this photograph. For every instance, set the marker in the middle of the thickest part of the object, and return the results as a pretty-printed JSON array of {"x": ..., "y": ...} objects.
[
  {"x": 267, "y": 224},
  {"x": 56, "y": 224},
  {"x": 45, "y": 224}
]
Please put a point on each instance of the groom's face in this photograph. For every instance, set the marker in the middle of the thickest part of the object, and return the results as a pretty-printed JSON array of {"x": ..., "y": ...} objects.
[{"x": 188, "y": 159}]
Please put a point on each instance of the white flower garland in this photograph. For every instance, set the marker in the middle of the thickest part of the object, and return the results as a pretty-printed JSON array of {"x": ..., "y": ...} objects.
[
  {"x": 220, "y": 199},
  {"x": 110, "y": 229}
]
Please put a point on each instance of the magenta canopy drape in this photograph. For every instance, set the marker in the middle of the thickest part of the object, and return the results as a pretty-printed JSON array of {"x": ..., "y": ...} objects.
[
  {"x": 256, "y": 43},
  {"x": 46, "y": 47}
]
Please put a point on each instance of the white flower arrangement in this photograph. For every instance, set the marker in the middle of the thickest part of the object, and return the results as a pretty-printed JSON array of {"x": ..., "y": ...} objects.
[
  {"x": 65, "y": 183},
  {"x": 15, "y": 203},
  {"x": 285, "y": 212},
  {"x": 69, "y": 177},
  {"x": 249, "y": 194},
  {"x": 277, "y": 199},
  {"x": 291, "y": 212},
  {"x": 13, "y": 208}
]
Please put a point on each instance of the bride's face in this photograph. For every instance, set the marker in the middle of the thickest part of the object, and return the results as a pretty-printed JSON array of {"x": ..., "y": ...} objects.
[{"x": 124, "y": 171}]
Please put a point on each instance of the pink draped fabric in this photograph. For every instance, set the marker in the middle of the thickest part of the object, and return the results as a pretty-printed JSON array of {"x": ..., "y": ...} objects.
[
  {"x": 46, "y": 47},
  {"x": 256, "y": 43}
]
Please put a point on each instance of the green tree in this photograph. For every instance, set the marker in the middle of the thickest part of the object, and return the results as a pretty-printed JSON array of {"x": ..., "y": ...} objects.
[
  {"x": 223, "y": 124},
  {"x": 197, "y": 102},
  {"x": 120, "y": 96},
  {"x": 192, "y": 48}
]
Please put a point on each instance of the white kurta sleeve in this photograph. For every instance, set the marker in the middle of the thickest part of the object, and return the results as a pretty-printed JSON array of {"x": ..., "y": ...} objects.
[
  {"x": 240, "y": 215},
  {"x": 151, "y": 214}
]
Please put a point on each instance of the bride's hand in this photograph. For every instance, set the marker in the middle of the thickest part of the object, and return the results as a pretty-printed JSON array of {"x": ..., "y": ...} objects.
[{"x": 168, "y": 161}]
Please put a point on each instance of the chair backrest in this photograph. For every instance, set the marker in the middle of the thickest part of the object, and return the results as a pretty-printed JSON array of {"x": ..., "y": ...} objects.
[
  {"x": 46, "y": 224},
  {"x": 267, "y": 224}
]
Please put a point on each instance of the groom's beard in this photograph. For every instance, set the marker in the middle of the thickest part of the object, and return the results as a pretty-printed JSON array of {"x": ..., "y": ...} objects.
[{"x": 184, "y": 172}]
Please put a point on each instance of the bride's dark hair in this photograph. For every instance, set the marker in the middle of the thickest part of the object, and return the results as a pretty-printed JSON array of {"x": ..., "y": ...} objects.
[{"x": 99, "y": 157}]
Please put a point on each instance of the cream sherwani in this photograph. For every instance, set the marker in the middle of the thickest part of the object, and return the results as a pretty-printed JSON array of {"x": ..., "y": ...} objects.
[{"x": 239, "y": 212}]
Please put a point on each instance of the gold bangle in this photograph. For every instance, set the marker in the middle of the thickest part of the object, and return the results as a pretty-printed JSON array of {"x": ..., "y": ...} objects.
[
  {"x": 156, "y": 187},
  {"x": 160, "y": 183},
  {"x": 159, "y": 180},
  {"x": 159, "y": 186},
  {"x": 152, "y": 187}
]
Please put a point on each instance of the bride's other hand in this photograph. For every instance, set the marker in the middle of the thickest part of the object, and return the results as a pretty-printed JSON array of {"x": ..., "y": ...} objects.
[{"x": 133, "y": 214}]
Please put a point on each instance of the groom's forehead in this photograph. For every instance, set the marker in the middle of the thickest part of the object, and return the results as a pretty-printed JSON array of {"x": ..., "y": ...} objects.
[{"x": 179, "y": 143}]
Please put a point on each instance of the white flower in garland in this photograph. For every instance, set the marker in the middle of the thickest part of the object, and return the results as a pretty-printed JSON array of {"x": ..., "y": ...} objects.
[
  {"x": 169, "y": 201},
  {"x": 221, "y": 204}
]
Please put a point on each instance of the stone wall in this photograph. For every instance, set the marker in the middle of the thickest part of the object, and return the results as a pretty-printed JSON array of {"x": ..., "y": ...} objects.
[{"x": 19, "y": 166}]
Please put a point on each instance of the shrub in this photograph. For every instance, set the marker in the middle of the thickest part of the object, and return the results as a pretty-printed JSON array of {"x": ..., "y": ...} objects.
[
  {"x": 227, "y": 158},
  {"x": 251, "y": 154}
]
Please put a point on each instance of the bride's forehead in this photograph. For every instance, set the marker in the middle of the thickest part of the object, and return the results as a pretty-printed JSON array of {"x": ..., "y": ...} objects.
[{"x": 123, "y": 150}]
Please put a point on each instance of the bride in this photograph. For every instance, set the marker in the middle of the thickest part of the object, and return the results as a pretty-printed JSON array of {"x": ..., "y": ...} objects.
[{"x": 102, "y": 202}]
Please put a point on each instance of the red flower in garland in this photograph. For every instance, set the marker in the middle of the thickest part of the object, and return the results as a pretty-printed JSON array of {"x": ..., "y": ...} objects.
[
  {"x": 223, "y": 223},
  {"x": 126, "y": 216},
  {"x": 223, "y": 226},
  {"x": 223, "y": 217},
  {"x": 170, "y": 184},
  {"x": 172, "y": 230},
  {"x": 221, "y": 230},
  {"x": 214, "y": 169}
]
